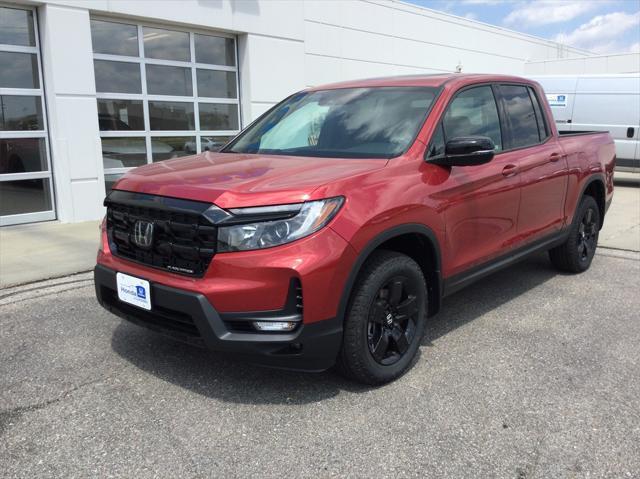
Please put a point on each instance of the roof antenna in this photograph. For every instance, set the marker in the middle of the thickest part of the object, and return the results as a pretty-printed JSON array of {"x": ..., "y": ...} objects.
[{"x": 459, "y": 67}]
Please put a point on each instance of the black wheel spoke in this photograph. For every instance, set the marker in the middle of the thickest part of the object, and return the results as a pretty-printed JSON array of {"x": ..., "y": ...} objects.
[
  {"x": 381, "y": 348},
  {"x": 395, "y": 292},
  {"x": 407, "y": 309},
  {"x": 400, "y": 338},
  {"x": 588, "y": 216},
  {"x": 378, "y": 312}
]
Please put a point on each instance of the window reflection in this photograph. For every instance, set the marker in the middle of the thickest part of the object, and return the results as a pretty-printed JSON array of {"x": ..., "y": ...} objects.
[
  {"x": 25, "y": 196},
  {"x": 18, "y": 70},
  {"x": 114, "y": 38},
  {"x": 19, "y": 113},
  {"x": 164, "y": 115},
  {"x": 166, "y": 44},
  {"x": 167, "y": 80},
  {"x": 522, "y": 118},
  {"x": 168, "y": 147},
  {"x": 218, "y": 116},
  {"x": 214, "y": 50},
  {"x": 123, "y": 152},
  {"x": 22, "y": 155},
  {"x": 16, "y": 27},
  {"x": 117, "y": 77},
  {"x": 216, "y": 84},
  {"x": 120, "y": 115}
]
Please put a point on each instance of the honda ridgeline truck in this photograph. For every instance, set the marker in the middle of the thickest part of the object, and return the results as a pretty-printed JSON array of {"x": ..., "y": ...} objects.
[{"x": 329, "y": 230}]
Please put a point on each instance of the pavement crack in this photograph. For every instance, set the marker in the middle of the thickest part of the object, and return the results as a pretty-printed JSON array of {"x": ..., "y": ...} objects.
[{"x": 9, "y": 415}]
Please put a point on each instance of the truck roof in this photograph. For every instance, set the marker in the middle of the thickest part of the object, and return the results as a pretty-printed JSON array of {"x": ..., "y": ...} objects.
[{"x": 435, "y": 80}]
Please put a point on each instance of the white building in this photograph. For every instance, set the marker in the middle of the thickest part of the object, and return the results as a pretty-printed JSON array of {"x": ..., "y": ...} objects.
[{"x": 89, "y": 89}]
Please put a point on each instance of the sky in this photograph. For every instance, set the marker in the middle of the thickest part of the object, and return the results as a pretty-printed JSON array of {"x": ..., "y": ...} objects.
[{"x": 599, "y": 26}]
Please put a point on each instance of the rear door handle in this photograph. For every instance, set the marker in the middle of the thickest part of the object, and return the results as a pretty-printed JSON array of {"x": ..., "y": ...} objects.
[
  {"x": 510, "y": 170},
  {"x": 555, "y": 157}
]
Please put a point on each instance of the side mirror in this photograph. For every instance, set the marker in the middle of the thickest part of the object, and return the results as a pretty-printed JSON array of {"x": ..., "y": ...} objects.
[{"x": 466, "y": 151}]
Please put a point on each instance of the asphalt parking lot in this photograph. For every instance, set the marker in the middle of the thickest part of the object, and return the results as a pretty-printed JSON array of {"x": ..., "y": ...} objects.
[{"x": 527, "y": 374}]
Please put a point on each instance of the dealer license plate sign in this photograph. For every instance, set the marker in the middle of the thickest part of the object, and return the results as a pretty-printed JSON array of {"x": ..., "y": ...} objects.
[{"x": 134, "y": 291}]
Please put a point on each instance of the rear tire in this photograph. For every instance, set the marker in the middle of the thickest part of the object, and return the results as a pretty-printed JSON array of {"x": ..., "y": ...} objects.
[
  {"x": 385, "y": 320},
  {"x": 575, "y": 254}
]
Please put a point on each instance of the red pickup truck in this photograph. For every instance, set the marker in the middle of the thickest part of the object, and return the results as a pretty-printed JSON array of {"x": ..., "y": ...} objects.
[{"x": 329, "y": 230}]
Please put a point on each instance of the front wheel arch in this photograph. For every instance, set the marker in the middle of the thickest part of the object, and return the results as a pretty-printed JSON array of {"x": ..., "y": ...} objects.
[{"x": 408, "y": 239}]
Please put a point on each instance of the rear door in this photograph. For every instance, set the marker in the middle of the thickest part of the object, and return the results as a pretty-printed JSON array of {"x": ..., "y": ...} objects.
[{"x": 541, "y": 162}]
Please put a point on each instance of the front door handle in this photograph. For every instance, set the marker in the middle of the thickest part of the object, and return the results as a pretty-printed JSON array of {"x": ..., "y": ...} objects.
[
  {"x": 510, "y": 170},
  {"x": 555, "y": 157}
]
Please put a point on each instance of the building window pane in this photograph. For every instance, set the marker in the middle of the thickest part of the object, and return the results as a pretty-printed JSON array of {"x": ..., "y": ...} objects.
[
  {"x": 123, "y": 152},
  {"x": 120, "y": 115},
  {"x": 217, "y": 84},
  {"x": 213, "y": 143},
  {"x": 18, "y": 113},
  {"x": 166, "y": 44},
  {"x": 23, "y": 155},
  {"x": 166, "y": 80},
  {"x": 16, "y": 27},
  {"x": 114, "y": 38},
  {"x": 18, "y": 70},
  {"x": 24, "y": 196},
  {"x": 167, "y": 147},
  {"x": 214, "y": 50},
  {"x": 164, "y": 115},
  {"x": 117, "y": 77},
  {"x": 218, "y": 116}
]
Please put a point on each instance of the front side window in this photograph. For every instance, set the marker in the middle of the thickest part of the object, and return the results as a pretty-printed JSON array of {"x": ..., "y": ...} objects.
[
  {"x": 343, "y": 123},
  {"x": 473, "y": 112},
  {"x": 521, "y": 116}
]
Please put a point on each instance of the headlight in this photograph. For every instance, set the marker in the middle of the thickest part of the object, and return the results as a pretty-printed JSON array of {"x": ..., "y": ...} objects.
[{"x": 262, "y": 230}]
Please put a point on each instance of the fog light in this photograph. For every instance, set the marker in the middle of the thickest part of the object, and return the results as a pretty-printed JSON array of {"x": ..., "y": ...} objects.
[{"x": 274, "y": 325}]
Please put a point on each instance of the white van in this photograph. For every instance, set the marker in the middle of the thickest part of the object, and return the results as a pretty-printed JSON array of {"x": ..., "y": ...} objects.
[{"x": 599, "y": 102}]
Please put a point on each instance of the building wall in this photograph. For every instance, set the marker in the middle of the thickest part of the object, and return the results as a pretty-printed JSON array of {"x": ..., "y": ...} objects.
[
  {"x": 593, "y": 65},
  {"x": 283, "y": 46}
]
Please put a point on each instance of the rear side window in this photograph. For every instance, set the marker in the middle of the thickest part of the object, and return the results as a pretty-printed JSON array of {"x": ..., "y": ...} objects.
[
  {"x": 543, "y": 130},
  {"x": 521, "y": 116},
  {"x": 473, "y": 112}
]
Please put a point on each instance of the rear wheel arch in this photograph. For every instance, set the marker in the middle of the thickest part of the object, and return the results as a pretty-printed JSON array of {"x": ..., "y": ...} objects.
[
  {"x": 414, "y": 240},
  {"x": 596, "y": 189}
]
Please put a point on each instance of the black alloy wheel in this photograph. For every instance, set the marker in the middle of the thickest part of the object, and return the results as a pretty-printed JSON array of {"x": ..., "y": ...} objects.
[
  {"x": 587, "y": 238},
  {"x": 392, "y": 320},
  {"x": 385, "y": 320},
  {"x": 577, "y": 252}
]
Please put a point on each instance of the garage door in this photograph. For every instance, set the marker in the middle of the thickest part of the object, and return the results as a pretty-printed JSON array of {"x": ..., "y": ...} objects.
[
  {"x": 162, "y": 92},
  {"x": 26, "y": 192}
]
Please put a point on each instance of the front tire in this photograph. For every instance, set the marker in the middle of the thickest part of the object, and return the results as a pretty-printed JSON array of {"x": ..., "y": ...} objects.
[
  {"x": 386, "y": 319},
  {"x": 575, "y": 254}
]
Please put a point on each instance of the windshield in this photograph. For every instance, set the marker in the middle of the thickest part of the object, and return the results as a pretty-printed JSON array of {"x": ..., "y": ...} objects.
[{"x": 377, "y": 122}]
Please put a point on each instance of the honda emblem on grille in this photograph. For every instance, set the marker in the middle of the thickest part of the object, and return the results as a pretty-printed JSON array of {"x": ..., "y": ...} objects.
[{"x": 143, "y": 233}]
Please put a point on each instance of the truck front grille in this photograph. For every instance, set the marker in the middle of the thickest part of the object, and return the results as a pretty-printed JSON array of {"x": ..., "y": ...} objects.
[{"x": 181, "y": 240}]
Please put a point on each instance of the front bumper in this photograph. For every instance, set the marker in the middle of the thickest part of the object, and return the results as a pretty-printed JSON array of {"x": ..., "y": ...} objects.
[{"x": 188, "y": 316}]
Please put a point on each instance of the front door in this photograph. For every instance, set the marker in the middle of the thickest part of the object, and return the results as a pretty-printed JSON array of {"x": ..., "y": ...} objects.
[{"x": 480, "y": 202}]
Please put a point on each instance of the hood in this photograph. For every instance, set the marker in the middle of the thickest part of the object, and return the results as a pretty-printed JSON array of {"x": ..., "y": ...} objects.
[{"x": 233, "y": 180}]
